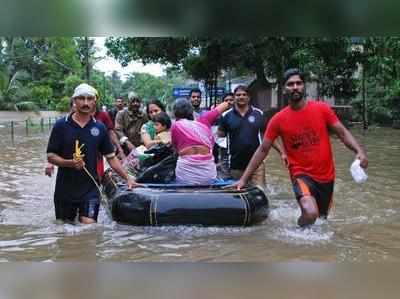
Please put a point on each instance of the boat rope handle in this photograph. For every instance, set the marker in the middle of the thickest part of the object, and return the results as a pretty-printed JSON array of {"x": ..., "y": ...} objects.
[{"x": 78, "y": 156}]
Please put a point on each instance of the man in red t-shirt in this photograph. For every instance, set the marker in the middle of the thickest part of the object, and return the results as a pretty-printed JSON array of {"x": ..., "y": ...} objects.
[
  {"x": 303, "y": 127},
  {"x": 105, "y": 118}
]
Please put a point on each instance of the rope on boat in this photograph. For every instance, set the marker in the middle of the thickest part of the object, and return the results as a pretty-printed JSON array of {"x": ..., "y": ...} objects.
[{"x": 78, "y": 156}]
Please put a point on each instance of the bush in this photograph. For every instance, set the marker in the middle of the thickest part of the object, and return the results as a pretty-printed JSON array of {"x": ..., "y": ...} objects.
[
  {"x": 70, "y": 83},
  {"x": 41, "y": 95},
  {"x": 63, "y": 104}
]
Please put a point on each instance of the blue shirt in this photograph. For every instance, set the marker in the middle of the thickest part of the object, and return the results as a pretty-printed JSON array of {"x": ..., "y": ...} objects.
[
  {"x": 244, "y": 135},
  {"x": 95, "y": 139}
]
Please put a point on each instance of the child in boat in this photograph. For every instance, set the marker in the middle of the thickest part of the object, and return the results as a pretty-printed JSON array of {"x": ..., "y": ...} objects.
[{"x": 162, "y": 124}]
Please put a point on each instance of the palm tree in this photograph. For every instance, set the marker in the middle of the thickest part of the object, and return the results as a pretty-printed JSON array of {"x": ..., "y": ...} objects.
[{"x": 12, "y": 91}]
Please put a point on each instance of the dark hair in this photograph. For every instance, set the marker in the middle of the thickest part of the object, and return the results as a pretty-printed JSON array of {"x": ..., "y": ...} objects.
[
  {"x": 163, "y": 119},
  {"x": 155, "y": 102},
  {"x": 228, "y": 94},
  {"x": 241, "y": 87},
  {"x": 292, "y": 72},
  {"x": 196, "y": 90},
  {"x": 183, "y": 109}
]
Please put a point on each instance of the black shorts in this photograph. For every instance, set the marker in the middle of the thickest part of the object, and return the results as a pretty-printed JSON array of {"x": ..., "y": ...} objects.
[
  {"x": 87, "y": 206},
  {"x": 304, "y": 185}
]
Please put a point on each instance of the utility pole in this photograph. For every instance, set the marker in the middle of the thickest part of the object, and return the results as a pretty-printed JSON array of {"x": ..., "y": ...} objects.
[
  {"x": 87, "y": 59},
  {"x": 104, "y": 86},
  {"x": 364, "y": 100},
  {"x": 229, "y": 80}
]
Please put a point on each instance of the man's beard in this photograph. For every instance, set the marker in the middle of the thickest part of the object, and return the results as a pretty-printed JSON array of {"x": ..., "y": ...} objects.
[
  {"x": 296, "y": 96},
  {"x": 196, "y": 105}
]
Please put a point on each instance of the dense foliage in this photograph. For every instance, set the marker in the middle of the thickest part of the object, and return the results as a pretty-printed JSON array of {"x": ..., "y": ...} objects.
[
  {"x": 338, "y": 65},
  {"x": 40, "y": 73}
]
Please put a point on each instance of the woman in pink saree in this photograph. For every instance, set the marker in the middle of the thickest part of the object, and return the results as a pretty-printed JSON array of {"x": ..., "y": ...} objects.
[{"x": 194, "y": 142}]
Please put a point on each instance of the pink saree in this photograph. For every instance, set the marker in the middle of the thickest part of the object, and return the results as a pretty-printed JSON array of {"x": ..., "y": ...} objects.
[{"x": 194, "y": 169}]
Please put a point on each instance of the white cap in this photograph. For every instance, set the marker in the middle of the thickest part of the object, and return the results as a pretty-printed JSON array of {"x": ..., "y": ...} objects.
[
  {"x": 84, "y": 90},
  {"x": 132, "y": 95}
]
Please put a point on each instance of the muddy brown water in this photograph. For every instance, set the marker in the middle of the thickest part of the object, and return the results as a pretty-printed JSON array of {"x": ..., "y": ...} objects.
[{"x": 363, "y": 227}]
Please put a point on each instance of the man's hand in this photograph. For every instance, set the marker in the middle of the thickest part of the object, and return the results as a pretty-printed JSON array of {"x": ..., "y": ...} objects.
[
  {"x": 132, "y": 183},
  {"x": 240, "y": 184},
  {"x": 49, "y": 170},
  {"x": 78, "y": 163},
  {"x": 363, "y": 159},
  {"x": 284, "y": 159}
]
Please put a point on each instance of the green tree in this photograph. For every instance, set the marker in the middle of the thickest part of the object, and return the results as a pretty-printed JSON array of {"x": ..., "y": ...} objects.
[
  {"x": 145, "y": 85},
  {"x": 162, "y": 50},
  {"x": 41, "y": 95},
  {"x": 115, "y": 84},
  {"x": 12, "y": 90},
  {"x": 87, "y": 55}
]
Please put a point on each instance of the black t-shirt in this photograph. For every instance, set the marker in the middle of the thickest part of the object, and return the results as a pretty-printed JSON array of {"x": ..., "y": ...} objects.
[
  {"x": 244, "y": 135},
  {"x": 113, "y": 114},
  {"x": 95, "y": 139}
]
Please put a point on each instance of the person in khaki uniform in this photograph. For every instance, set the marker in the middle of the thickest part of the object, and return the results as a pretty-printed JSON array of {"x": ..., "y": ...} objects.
[{"x": 129, "y": 122}]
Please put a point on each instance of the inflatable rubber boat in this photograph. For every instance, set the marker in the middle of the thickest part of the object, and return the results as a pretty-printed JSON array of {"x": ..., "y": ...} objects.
[{"x": 175, "y": 204}]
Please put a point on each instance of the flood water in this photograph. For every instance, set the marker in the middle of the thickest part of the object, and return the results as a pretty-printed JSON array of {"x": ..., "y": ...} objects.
[{"x": 363, "y": 227}]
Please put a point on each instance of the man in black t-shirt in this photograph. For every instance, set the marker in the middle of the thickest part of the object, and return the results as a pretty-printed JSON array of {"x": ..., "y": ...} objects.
[
  {"x": 243, "y": 125},
  {"x": 73, "y": 146}
]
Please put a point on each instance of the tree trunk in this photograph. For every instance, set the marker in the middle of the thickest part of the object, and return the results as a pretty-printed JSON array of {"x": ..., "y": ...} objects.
[
  {"x": 259, "y": 70},
  {"x": 282, "y": 102},
  {"x": 280, "y": 94},
  {"x": 87, "y": 59}
]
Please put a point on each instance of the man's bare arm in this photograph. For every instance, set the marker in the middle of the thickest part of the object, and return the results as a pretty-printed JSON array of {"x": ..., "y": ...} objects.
[
  {"x": 259, "y": 156},
  {"x": 61, "y": 162},
  {"x": 347, "y": 138},
  {"x": 115, "y": 141},
  {"x": 116, "y": 165}
]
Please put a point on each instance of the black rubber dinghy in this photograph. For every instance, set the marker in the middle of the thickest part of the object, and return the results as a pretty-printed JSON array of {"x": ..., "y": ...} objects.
[{"x": 173, "y": 204}]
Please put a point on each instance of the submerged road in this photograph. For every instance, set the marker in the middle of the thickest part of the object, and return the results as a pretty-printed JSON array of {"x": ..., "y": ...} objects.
[{"x": 363, "y": 227}]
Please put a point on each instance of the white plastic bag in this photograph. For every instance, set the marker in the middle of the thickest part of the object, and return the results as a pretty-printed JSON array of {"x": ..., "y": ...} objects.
[{"x": 357, "y": 172}]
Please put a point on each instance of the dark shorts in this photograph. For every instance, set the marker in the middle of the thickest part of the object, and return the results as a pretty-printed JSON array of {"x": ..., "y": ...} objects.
[
  {"x": 87, "y": 206},
  {"x": 304, "y": 185}
]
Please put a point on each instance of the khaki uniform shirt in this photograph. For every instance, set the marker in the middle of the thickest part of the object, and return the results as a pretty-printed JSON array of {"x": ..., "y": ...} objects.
[{"x": 129, "y": 124}]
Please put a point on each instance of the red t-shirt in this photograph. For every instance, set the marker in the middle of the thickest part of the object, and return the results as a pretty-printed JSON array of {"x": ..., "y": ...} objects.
[
  {"x": 104, "y": 118},
  {"x": 306, "y": 139}
]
